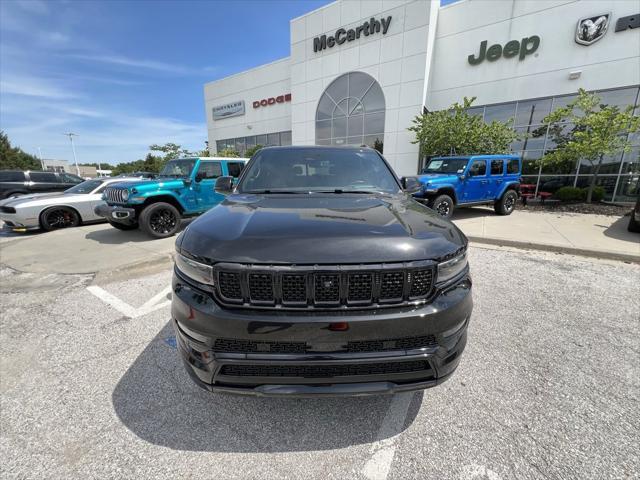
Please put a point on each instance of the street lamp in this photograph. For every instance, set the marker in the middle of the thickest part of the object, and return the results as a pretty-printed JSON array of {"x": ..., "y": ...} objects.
[{"x": 73, "y": 148}]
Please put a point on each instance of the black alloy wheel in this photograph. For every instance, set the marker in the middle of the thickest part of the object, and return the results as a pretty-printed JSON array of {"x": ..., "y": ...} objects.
[
  {"x": 160, "y": 220},
  {"x": 443, "y": 205},
  {"x": 507, "y": 203},
  {"x": 59, "y": 217}
]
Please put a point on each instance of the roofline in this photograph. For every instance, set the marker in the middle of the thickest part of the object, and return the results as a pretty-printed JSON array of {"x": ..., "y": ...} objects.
[{"x": 249, "y": 70}]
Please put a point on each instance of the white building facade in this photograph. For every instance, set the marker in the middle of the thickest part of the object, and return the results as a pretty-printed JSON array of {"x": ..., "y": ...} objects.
[{"x": 361, "y": 70}]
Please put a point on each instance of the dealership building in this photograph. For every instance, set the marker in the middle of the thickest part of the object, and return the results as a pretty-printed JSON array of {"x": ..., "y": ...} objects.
[{"x": 360, "y": 71}]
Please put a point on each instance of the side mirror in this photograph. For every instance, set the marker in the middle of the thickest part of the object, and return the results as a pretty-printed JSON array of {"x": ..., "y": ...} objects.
[
  {"x": 224, "y": 185},
  {"x": 411, "y": 184}
]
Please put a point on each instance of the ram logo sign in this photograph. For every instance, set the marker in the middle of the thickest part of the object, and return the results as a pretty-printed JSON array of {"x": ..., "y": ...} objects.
[{"x": 592, "y": 29}]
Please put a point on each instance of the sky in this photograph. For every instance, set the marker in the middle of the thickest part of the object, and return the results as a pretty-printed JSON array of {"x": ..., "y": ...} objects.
[{"x": 123, "y": 75}]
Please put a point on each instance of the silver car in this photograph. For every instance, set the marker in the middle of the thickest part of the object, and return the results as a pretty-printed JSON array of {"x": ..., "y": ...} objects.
[{"x": 57, "y": 210}]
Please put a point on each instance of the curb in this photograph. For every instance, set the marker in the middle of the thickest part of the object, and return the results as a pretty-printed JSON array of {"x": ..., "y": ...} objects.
[
  {"x": 583, "y": 252},
  {"x": 137, "y": 269}
]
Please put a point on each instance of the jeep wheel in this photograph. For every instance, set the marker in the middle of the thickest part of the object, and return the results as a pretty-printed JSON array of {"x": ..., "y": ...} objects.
[
  {"x": 123, "y": 226},
  {"x": 443, "y": 205},
  {"x": 507, "y": 203},
  {"x": 58, "y": 217},
  {"x": 160, "y": 220}
]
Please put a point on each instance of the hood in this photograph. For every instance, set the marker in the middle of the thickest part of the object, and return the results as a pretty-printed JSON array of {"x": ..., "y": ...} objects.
[
  {"x": 438, "y": 178},
  {"x": 320, "y": 229},
  {"x": 145, "y": 185},
  {"x": 12, "y": 202}
]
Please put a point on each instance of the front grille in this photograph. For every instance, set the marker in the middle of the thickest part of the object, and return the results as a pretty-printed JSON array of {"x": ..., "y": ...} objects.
[
  {"x": 325, "y": 371},
  {"x": 114, "y": 195},
  {"x": 233, "y": 345},
  {"x": 308, "y": 287}
]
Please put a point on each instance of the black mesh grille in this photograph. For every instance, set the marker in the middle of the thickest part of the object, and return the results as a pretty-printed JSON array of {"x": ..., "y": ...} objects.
[
  {"x": 231, "y": 345},
  {"x": 229, "y": 284},
  {"x": 392, "y": 285},
  {"x": 408, "y": 343},
  {"x": 359, "y": 287},
  {"x": 421, "y": 283},
  {"x": 324, "y": 371},
  {"x": 294, "y": 288},
  {"x": 327, "y": 288},
  {"x": 261, "y": 287}
]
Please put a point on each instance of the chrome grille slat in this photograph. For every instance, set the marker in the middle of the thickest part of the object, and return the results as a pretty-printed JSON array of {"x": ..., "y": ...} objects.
[{"x": 324, "y": 287}]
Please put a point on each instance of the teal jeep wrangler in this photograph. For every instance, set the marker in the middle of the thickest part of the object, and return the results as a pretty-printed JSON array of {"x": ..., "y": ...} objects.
[
  {"x": 184, "y": 188},
  {"x": 466, "y": 181}
]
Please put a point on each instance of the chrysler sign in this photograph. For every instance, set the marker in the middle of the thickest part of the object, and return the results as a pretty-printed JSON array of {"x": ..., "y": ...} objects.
[
  {"x": 349, "y": 35},
  {"x": 227, "y": 110}
]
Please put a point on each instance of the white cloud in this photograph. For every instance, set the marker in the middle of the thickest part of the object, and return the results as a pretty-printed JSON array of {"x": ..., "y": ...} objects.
[
  {"x": 138, "y": 63},
  {"x": 31, "y": 87}
]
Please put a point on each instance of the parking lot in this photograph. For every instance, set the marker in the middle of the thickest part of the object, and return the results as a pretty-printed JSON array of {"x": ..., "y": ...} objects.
[{"x": 548, "y": 386}]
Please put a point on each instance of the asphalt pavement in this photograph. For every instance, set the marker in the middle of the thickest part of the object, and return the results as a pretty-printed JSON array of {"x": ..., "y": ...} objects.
[{"x": 548, "y": 387}]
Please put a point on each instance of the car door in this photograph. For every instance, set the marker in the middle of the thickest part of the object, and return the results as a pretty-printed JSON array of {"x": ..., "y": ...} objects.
[
  {"x": 476, "y": 181},
  {"x": 205, "y": 180},
  {"x": 42, "y": 182},
  {"x": 496, "y": 178}
]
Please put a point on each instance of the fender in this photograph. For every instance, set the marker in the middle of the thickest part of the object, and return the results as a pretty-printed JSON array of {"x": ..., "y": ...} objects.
[{"x": 511, "y": 185}]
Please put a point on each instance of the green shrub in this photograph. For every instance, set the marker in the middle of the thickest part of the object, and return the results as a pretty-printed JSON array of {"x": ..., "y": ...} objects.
[
  {"x": 597, "y": 196},
  {"x": 570, "y": 194}
]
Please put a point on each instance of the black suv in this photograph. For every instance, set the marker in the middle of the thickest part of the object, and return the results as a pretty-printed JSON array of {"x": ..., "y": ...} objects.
[
  {"x": 17, "y": 182},
  {"x": 319, "y": 274}
]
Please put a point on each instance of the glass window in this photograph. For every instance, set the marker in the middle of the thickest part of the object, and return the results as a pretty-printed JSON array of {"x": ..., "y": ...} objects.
[
  {"x": 209, "y": 170},
  {"x": 285, "y": 138},
  {"x": 559, "y": 102},
  {"x": 564, "y": 167},
  {"x": 87, "y": 186},
  {"x": 239, "y": 145},
  {"x": 235, "y": 168},
  {"x": 533, "y": 111},
  {"x": 250, "y": 142},
  {"x": 178, "y": 168},
  {"x": 497, "y": 166},
  {"x": 11, "y": 176},
  {"x": 43, "y": 177},
  {"x": 610, "y": 165},
  {"x": 628, "y": 188},
  {"x": 631, "y": 161},
  {"x": 220, "y": 145},
  {"x": 501, "y": 113},
  {"x": 622, "y": 97},
  {"x": 351, "y": 111},
  {"x": 273, "y": 139},
  {"x": 309, "y": 169},
  {"x": 478, "y": 168},
  {"x": 513, "y": 166},
  {"x": 552, "y": 184},
  {"x": 531, "y": 138},
  {"x": 477, "y": 111},
  {"x": 608, "y": 182},
  {"x": 69, "y": 178}
]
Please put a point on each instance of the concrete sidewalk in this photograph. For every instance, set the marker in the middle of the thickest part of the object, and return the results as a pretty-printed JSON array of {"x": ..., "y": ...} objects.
[{"x": 598, "y": 236}]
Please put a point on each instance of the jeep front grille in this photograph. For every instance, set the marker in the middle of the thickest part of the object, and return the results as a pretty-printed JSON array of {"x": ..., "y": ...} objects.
[
  {"x": 324, "y": 287},
  {"x": 114, "y": 195}
]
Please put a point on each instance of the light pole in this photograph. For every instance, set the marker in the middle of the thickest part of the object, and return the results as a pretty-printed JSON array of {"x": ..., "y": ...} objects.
[
  {"x": 73, "y": 148},
  {"x": 41, "y": 161}
]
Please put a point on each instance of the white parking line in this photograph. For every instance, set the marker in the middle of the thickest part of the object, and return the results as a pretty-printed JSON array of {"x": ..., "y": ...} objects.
[
  {"x": 127, "y": 310},
  {"x": 384, "y": 449}
]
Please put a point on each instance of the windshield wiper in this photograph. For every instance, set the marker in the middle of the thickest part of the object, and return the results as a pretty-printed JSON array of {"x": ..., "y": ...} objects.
[{"x": 288, "y": 192}]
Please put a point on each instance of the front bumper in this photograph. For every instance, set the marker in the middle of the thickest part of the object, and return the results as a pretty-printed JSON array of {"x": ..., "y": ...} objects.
[
  {"x": 115, "y": 213},
  {"x": 19, "y": 223},
  {"x": 380, "y": 351}
]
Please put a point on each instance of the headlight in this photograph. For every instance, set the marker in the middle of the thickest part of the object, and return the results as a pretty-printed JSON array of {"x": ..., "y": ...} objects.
[
  {"x": 197, "y": 271},
  {"x": 125, "y": 195},
  {"x": 452, "y": 268}
]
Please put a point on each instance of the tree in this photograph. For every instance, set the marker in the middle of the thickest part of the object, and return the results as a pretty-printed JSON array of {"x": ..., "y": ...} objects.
[
  {"x": 170, "y": 150},
  {"x": 455, "y": 131},
  {"x": 227, "y": 152},
  {"x": 13, "y": 158},
  {"x": 103, "y": 166},
  {"x": 252, "y": 151},
  {"x": 599, "y": 130}
]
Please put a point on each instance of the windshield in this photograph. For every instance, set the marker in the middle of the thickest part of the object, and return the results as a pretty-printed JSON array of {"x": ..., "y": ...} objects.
[
  {"x": 87, "y": 186},
  {"x": 178, "y": 168},
  {"x": 302, "y": 170},
  {"x": 446, "y": 165}
]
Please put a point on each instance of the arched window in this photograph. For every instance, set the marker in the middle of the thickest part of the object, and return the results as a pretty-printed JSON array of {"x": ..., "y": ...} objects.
[{"x": 351, "y": 112}]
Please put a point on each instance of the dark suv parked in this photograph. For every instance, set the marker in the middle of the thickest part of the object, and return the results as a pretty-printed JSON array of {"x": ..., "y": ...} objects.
[
  {"x": 319, "y": 274},
  {"x": 17, "y": 182}
]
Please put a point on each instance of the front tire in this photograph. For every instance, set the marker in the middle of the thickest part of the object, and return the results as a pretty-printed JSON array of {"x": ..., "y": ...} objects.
[
  {"x": 123, "y": 226},
  {"x": 443, "y": 205},
  {"x": 507, "y": 204},
  {"x": 54, "y": 218},
  {"x": 160, "y": 220}
]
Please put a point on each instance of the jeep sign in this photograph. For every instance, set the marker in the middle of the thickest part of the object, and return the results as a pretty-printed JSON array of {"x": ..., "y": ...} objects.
[
  {"x": 513, "y": 48},
  {"x": 343, "y": 35}
]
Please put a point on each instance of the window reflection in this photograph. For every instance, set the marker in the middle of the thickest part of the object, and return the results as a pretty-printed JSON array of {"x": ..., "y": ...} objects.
[{"x": 243, "y": 144}]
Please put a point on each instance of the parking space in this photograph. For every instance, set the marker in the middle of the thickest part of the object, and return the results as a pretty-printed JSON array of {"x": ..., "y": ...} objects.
[{"x": 548, "y": 387}]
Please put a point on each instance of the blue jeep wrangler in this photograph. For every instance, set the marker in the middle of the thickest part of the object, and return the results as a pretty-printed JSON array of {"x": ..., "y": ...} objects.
[
  {"x": 184, "y": 188},
  {"x": 464, "y": 181}
]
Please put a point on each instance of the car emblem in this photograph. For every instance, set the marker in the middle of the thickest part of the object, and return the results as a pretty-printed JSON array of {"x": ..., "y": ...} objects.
[
  {"x": 592, "y": 29},
  {"x": 327, "y": 284}
]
